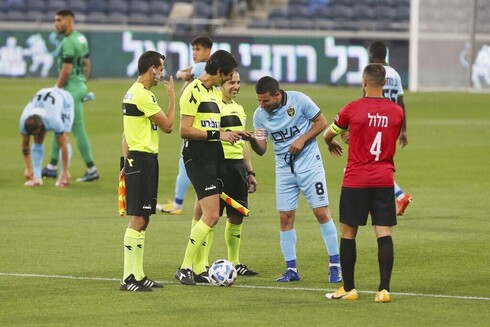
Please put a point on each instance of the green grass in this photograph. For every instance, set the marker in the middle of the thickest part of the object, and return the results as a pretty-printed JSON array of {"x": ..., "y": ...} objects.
[{"x": 442, "y": 245}]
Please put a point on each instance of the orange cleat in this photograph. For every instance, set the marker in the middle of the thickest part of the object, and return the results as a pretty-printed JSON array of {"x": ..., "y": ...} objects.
[{"x": 402, "y": 204}]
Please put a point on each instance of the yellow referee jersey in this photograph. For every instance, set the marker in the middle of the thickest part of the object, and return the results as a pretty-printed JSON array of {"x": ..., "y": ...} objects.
[
  {"x": 233, "y": 118},
  {"x": 138, "y": 105},
  {"x": 203, "y": 104}
]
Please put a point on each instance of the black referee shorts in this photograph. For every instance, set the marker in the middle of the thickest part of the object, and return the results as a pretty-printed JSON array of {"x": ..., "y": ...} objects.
[
  {"x": 141, "y": 175},
  {"x": 357, "y": 203},
  {"x": 202, "y": 160}
]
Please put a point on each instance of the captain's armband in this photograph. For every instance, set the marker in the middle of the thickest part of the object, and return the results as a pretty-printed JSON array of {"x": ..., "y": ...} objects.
[
  {"x": 26, "y": 152},
  {"x": 337, "y": 130}
]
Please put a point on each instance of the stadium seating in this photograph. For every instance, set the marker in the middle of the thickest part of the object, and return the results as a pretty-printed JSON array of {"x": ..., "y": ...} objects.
[{"x": 297, "y": 14}]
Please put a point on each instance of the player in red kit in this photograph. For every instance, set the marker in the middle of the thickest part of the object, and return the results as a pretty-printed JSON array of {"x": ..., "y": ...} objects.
[{"x": 374, "y": 123}]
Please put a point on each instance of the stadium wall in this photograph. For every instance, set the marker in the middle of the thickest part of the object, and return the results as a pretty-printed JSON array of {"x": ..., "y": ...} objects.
[{"x": 333, "y": 59}]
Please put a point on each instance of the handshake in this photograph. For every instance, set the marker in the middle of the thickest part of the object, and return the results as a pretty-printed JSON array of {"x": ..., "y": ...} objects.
[{"x": 234, "y": 136}]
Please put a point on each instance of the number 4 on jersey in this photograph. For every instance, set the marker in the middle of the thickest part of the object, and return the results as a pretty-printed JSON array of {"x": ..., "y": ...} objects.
[{"x": 376, "y": 146}]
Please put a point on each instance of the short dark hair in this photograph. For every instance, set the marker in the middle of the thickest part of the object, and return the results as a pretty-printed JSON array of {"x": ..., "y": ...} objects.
[
  {"x": 221, "y": 60},
  {"x": 148, "y": 59},
  {"x": 32, "y": 124},
  {"x": 267, "y": 84},
  {"x": 203, "y": 40},
  {"x": 375, "y": 74},
  {"x": 65, "y": 12},
  {"x": 377, "y": 51}
]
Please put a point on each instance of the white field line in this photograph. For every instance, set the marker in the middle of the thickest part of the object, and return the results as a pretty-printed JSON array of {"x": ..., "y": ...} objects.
[{"x": 456, "y": 297}]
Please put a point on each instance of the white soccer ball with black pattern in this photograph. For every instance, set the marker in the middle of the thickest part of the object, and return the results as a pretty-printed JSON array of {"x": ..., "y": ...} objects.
[{"x": 222, "y": 273}]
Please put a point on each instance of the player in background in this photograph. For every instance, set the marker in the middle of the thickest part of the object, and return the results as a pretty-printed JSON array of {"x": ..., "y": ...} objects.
[
  {"x": 201, "y": 50},
  {"x": 374, "y": 124},
  {"x": 238, "y": 179},
  {"x": 51, "y": 109},
  {"x": 292, "y": 121},
  {"x": 202, "y": 152},
  {"x": 143, "y": 117},
  {"x": 74, "y": 71},
  {"x": 392, "y": 90}
]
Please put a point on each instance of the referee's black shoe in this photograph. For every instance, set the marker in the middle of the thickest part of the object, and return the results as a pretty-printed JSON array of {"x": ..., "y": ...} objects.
[{"x": 132, "y": 285}]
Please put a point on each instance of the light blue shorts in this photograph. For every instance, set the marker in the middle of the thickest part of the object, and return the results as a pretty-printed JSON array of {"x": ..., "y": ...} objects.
[{"x": 311, "y": 183}]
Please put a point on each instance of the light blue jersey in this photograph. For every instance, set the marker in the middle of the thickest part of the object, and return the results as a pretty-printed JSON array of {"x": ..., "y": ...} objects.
[
  {"x": 198, "y": 69},
  {"x": 55, "y": 107},
  {"x": 393, "y": 87},
  {"x": 304, "y": 171},
  {"x": 287, "y": 123}
]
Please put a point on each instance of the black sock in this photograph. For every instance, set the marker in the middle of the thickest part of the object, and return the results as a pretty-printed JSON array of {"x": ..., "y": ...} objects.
[
  {"x": 386, "y": 258},
  {"x": 348, "y": 256}
]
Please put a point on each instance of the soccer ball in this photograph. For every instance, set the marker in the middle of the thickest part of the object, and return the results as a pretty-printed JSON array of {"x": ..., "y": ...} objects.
[{"x": 222, "y": 273}]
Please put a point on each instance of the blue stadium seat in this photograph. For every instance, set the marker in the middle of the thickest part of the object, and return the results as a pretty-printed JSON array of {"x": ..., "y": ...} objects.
[
  {"x": 157, "y": 19},
  {"x": 279, "y": 13},
  {"x": 36, "y": 5},
  {"x": 96, "y": 6},
  {"x": 160, "y": 7},
  {"x": 136, "y": 18},
  {"x": 33, "y": 15},
  {"x": 13, "y": 6},
  {"x": 14, "y": 15},
  {"x": 298, "y": 11},
  {"x": 55, "y": 5},
  {"x": 364, "y": 12},
  {"x": 117, "y": 18},
  {"x": 341, "y": 2},
  {"x": 403, "y": 14},
  {"x": 224, "y": 8},
  {"x": 342, "y": 13},
  {"x": 138, "y": 6},
  {"x": 203, "y": 10},
  {"x": 386, "y": 14},
  {"x": 117, "y": 6},
  {"x": 96, "y": 17},
  {"x": 78, "y": 7},
  {"x": 323, "y": 13}
]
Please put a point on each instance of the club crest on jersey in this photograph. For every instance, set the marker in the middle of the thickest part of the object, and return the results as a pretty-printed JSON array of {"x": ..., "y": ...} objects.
[{"x": 290, "y": 112}]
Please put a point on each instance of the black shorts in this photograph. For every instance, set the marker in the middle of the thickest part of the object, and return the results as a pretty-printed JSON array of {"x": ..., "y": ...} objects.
[
  {"x": 141, "y": 175},
  {"x": 357, "y": 203},
  {"x": 234, "y": 176},
  {"x": 202, "y": 160}
]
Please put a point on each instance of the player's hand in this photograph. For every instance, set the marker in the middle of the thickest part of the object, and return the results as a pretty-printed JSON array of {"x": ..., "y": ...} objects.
[
  {"x": 228, "y": 136},
  {"x": 335, "y": 149},
  {"x": 296, "y": 146},
  {"x": 252, "y": 183},
  {"x": 169, "y": 87},
  {"x": 403, "y": 139},
  {"x": 185, "y": 76},
  {"x": 345, "y": 137},
  {"x": 245, "y": 135},
  {"x": 28, "y": 174}
]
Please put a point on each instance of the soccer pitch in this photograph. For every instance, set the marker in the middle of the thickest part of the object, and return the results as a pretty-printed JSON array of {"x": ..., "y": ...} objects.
[{"x": 61, "y": 257}]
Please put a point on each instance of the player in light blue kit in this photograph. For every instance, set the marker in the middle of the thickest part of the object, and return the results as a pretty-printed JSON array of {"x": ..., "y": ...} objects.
[
  {"x": 292, "y": 121},
  {"x": 51, "y": 109},
  {"x": 201, "y": 50}
]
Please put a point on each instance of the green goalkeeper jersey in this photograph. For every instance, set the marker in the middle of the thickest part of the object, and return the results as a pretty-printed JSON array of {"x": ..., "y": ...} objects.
[{"x": 74, "y": 50}]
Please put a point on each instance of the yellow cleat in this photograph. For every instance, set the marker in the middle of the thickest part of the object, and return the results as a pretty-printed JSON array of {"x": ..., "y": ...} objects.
[
  {"x": 169, "y": 208},
  {"x": 382, "y": 296},
  {"x": 341, "y": 294}
]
